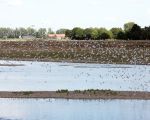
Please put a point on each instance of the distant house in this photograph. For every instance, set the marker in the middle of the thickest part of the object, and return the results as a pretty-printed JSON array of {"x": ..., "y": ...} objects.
[
  {"x": 27, "y": 37},
  {"x": 56, "y": 36}
]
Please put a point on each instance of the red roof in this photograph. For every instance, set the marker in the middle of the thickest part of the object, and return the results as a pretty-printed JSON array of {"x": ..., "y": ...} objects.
[{"x": 56, "y": 35}]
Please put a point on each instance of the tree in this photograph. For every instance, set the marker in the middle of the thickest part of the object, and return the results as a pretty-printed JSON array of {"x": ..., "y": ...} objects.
[
  {"x": 31, "y": 31},
  {"x": 23, "y": 31},
  {"x": 135, "y": 33},
  {"x": 115, "y": 32},
  {"x": 128, "y": 26},
  {"x": 94, "y": 34},
  {"x": 91, "y": 33},
  {"x": 1, "y": 33},
  {"x": 121, "y": 35},
  {"x": 41, "y": 33},
  {"x": 50, "y": 31},
  {"x": 104, "y": 34},
  {"x": 61, "y": 31},
  {"x": 15, "y": 34},
  {"x": 77, "y": 33},
  {"x": 7, "y": 33},
  {"x": 68, "y": 33},
  {"x": 146, "y": 33},
  {"x": 87, "y": 33}
]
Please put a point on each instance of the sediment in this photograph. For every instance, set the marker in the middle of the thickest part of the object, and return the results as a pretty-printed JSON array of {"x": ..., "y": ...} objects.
[{"x": 78, "y": 95}]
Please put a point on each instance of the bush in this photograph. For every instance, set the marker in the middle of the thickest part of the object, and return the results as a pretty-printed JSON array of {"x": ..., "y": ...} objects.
[{"x": 62, "y": 91}]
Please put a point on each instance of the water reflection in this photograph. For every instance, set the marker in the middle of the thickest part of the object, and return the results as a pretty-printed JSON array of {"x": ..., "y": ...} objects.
[
  {"x": 7, "y": 119},
  {"x": 52, "y": 109},
  {"x": 44, "y": 76}
]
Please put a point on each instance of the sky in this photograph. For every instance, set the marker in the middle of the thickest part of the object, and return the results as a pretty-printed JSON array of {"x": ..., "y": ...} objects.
[{"x": 57, "y": 14}]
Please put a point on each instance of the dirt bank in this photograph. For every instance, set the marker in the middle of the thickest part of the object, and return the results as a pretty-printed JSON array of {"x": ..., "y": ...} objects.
[
  {"x": 104, "y": 52},
  {"x": 12, "y": 65},
  {"x": 78, "y": 95}
]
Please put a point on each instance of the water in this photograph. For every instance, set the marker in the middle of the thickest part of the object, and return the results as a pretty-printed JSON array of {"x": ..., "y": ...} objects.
[
  {"x": 52, "y": 109},
  {"x": 48, "y": 76}
]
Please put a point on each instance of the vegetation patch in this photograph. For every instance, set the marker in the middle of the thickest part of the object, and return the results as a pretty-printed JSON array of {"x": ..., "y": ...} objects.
[
  {"x": 97, "y": 91},
  {"x": 77, "y": 91},
  {"x": 89, "y": 91},
  {"x": 62, "y": 91}
]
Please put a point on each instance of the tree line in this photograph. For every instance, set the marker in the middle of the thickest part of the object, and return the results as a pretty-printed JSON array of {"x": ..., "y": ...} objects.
[
  {"x": 18, "y": 32},
  {"x": 130, "y": 31}
]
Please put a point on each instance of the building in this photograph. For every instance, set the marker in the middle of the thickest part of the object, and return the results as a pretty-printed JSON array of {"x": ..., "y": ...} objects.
[
  {"x": 56, "y": 36},
  {"x": 27, "y": 37}
]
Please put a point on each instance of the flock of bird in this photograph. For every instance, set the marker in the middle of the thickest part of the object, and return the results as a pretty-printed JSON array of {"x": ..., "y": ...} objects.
[
  {"x": 93, "y": 52},
  {"x": 123, "y": 77}
]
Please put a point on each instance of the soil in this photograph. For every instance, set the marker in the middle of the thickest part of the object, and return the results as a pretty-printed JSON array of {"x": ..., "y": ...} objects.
[
  {"x": 11, "y": 65},
  {"x": 103, "y": 52},
  {"x": 75, "y": 95}
]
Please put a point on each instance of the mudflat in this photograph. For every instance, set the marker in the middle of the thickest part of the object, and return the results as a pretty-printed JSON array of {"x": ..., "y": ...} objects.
[
  {"x": 78, "y": 94},
  {"x": 11, "y": 65},
  {"x": 104, "y": 52}
]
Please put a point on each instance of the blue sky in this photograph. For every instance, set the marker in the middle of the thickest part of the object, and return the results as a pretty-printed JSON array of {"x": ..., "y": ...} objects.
[{"x": 71, "y": 13}]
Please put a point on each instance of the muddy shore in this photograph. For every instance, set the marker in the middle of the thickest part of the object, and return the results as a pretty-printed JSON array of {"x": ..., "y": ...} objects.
[
  {"x": 11, "y": 65},
  {"x": 103, "y": 52},
  {"x": 78, "y": 95}
]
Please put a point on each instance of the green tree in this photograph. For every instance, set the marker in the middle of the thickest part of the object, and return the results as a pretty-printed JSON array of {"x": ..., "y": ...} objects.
[
  {"x": 128, "y": 26},
  {"x": 103, "y": 34},
  {"x": 7, "y": 33},
  {"x": 88, "y": 33},
  {"x": 91, "y": 34},
  {"x": 146, "y": 33},
  {"x": 68, "y": 34},
  {"x": 115, "y": 32},
  {"x": 94, "y": 34},
  {"x": 15, "y": 34},
  {"x": 135, "y": 33},
  {"x": 78, "y": 33},
  {"x": 41, "y": 33},
  {"x": 22, "y": 31},
  {"x": 31, "y": 31},
  {"x": 121, "y": 35}
]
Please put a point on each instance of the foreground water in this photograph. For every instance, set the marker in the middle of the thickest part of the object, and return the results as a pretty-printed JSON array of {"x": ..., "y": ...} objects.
[
  {"x": 52, "y": 109},
  {"x": 45, "y": 76}
]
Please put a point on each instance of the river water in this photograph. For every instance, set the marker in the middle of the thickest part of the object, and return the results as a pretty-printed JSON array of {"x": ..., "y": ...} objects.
[
  {"x": 51, "y": 76},
  {"x": 59, "y": 109}
]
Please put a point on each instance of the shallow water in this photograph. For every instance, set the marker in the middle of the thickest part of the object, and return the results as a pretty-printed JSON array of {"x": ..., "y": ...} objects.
[
  {"x": 52, "y": 109},
  {"x": 45, "y": 76}
]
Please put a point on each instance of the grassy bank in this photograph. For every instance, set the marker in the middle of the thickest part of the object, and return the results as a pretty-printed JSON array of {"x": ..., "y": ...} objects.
[
  {"x": 112, "y": 52},
  {"x": 77, "y": 94}
]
